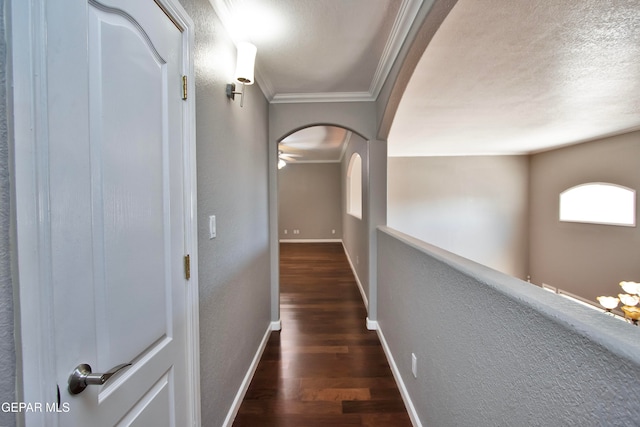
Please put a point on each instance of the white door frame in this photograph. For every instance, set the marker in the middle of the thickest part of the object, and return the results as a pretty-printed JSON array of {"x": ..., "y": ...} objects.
[{"x": 35, "y": 348}]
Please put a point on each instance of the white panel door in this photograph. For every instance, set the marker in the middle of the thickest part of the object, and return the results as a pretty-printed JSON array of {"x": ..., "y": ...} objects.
[{"x": 117, "y": 211}]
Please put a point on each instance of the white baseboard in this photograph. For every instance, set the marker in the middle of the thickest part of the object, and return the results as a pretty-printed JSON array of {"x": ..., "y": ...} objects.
[
  {"x": 276, "y": 326},
  {"x": 310, "y": 240},
  {"x": 235, "y": 406},
  {"x": 372, "y": 325},
  {"x": 355, "y": 274},
  {"x": 396, "y": 374}
]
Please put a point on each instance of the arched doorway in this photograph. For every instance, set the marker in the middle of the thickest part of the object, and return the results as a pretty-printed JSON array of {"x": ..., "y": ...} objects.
[{"x": 314, "y": 177}]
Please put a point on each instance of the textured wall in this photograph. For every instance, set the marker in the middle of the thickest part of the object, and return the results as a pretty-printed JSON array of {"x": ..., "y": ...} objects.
[
  {"x": 496, "y": 351},
  {"x": 476, "y": 207},
  {"x": 584, "y": 259},
  {"x": 354, "y": 230},
  {"x": 232, "y": 184},
  {"x": 7, "y": 342},
  {"x": 310, "y": 200},
  {"x": 356, "y": 116}
]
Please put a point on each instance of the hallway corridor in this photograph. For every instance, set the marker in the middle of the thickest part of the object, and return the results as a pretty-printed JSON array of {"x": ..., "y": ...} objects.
[{"x": 324, "y": 368}]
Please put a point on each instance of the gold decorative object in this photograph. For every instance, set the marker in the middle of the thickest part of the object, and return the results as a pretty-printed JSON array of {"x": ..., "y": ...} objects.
[
  {"x": 632, "y": 313},
  {"x": 629, "y": 300}
]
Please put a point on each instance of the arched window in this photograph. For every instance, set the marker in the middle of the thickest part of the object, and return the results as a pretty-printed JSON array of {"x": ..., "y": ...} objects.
[
  {"x": 599, "y": 203},
  {"x": 354, "y": 186}
]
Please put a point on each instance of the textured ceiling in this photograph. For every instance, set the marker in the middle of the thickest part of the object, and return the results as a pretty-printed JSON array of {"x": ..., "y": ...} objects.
[
  {"x": 499, "y": 77},
  {"x": 311, "y": 50},
  {"x": 520, "y": 76}
]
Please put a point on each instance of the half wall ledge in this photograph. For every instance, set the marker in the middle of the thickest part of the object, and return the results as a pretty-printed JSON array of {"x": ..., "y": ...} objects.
[
  {"x": 620, "y": 338},
  {"x": 490, "y": 349}
]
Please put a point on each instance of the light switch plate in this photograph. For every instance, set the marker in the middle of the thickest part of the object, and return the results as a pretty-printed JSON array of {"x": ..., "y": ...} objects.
[
  {"x": 414, "y": 365},
  {"x": 212, "y": 226}
]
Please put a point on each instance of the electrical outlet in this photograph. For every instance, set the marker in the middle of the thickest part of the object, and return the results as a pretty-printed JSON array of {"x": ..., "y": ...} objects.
[
  {"x": 414, "y": 365},
  {"x": 286, "y": 231},
  {"x": 333, "y": 231}
]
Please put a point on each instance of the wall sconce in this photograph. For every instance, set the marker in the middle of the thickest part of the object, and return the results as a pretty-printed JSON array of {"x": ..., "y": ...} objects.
[{"x": 244, "y": 70}]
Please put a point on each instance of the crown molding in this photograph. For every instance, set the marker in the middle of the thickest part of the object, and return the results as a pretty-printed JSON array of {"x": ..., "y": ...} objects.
[
  {"x": 404, "y": 19},
  {"x": 285, "y": 98},
  {"x": 307, "y": 162},
  {"x": 264, "y": 83},
  {"x": 401, "y": 26},
  {"x": 223, "y": 8},
  {"x": 406, "y": 15}
]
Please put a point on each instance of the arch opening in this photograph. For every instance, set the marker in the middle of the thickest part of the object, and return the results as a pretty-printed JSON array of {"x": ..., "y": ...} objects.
[{"x": 599, "y": 203}]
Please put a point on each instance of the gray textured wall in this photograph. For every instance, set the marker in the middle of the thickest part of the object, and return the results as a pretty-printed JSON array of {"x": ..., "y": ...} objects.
[
  {"x": 476, "y": 207},
  {"x": 585, "y": 259},
  {"x": 354, "y": 230},
  {"x": 310, "y": 200},
  {"x": 493, "y": 350},
  {"x": 232, "y": 184},
  {"x": 7, "y": 342},
  {"x": 287, "y": 118}
]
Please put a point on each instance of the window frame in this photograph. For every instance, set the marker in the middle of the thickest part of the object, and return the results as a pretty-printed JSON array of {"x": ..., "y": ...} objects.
[
  {"x": 580, "y": 187},
  {"x": 354, "y": 209}
]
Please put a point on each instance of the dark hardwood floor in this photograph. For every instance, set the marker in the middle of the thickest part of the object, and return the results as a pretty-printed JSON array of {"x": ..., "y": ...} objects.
[{"x": 324, "y": 368}]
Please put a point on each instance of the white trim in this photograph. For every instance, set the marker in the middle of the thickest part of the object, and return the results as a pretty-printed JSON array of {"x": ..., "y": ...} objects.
[
  {"x": 404, "y": 19},
  {"x": 408, "y": 403},
  {"x": 192, "y": 298},
  {"x": 372, "y": 325},
  {"x": 406, "y": 15},
  {"x": 355, "y": 274},
  {"x": 427, "y": 153},
  {"x": 235, "y": 406},
  {"x": 31, "y": 159},
  {"x": 345, "y": 145},
  {"x": 310, "y": 241},
  {"x": 294, "y": 162},
  {"x": 276, "y": 326},
  {"x": 354, "y": 186},
  {"x": 299, "y": 98},
  {"x": 264, "y": 83}
]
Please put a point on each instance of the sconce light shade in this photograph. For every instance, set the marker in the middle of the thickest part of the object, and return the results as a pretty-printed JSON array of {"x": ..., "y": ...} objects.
[
  {"x": 244, "y": 70},
  {"x": 245, "y": 63}
]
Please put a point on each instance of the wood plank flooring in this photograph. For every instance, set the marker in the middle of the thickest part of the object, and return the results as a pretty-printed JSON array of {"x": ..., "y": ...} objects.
[{"x": 324, "y": 368}]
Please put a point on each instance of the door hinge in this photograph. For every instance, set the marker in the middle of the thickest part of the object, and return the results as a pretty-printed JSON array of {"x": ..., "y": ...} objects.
[
  {"x": 187, "y": 267},
  {"x": 184, "y": 87}
]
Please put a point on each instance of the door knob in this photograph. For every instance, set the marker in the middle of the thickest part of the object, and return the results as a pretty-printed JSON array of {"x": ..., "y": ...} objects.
[{"x": 82, "y": 376}]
